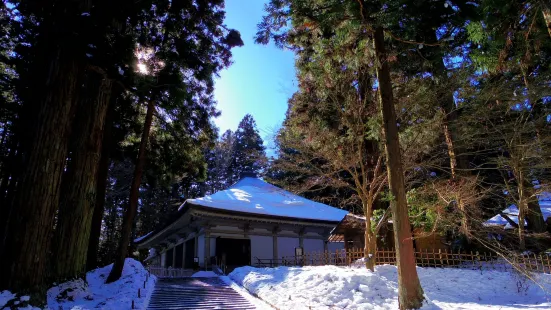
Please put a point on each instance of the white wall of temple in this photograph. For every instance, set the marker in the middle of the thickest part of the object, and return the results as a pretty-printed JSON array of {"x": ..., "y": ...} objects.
[
  {"x": 261, "y": 247},
  {"x": 286, "y": 246},
  {"x": 313, "y": 245},
  {"x": 201, "y": 249},
  {"x": 333, "y": 246}
]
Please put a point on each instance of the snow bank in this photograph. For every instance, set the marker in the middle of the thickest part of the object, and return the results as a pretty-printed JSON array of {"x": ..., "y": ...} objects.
[
  {"x": 512, "y": 212},
  {"x": 95, "y": 294},
  {"x": 7, "y": 296},
  {"x": 331, "y": 287},
  {"x": 98, "y": 295}
]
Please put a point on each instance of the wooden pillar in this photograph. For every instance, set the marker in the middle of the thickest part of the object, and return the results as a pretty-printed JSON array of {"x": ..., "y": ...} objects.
[
  {"x": 301, "y": 244},
  {"x": 325, "y": 245},
  {"x": 301, "y": 238},
  {"x": 345, "y": 243},
  {"x": 174, "y": 256},
  {"x": 207, "y": 248},
  {"x": 196, "y": 247}
]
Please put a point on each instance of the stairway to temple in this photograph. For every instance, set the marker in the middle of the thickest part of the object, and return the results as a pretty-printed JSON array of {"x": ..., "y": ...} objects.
[{"x": 197, "y": 294}]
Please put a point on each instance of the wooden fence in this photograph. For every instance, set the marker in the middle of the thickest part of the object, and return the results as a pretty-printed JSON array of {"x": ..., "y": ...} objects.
[{"x": 431, "y": 258}]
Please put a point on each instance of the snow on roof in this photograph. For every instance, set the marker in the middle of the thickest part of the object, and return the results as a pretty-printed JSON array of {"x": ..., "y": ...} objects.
[
  {"x": 512, "y": 212},
  {"x": 253, "y": 195},
  {"x": 143, "y": 237}
]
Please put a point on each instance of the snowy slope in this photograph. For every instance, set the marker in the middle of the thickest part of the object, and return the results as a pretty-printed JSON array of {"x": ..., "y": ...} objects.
[
  {"x": 78, "y": 295},
  {"x": 331, "y": 287},
  {"x": 98, "y": 295},
  {"x": 253, "y": 195}
]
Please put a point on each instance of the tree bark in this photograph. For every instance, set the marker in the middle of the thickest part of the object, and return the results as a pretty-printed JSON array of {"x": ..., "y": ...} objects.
[
  {"x": 447, "y": 105},
  {"x": 522, "y": 206},
  {"x": 79, "y": 183},
  {"x": 534, "y": 217},
  {"x": 101, "y": 190},
  {"x": 58, "y": 63},
  {"x": 130, "y": 214},
  {"x": 410, "y": 293},
  {"x": 370, "y": 246},
  {"x": 532, "y": 212},
  {"x": 8, "y": 178},
  {"x": 31, "y": 223}
]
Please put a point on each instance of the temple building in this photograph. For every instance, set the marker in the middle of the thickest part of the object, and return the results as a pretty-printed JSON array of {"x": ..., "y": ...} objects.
[{"x": 250, "y": 223}]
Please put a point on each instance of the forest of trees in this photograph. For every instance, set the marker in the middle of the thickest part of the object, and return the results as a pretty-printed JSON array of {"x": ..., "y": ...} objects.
[
  {"x": 450, "y": 97},
  {"x": 105, "y": 105},
  {"x": 434, "y": 113}
]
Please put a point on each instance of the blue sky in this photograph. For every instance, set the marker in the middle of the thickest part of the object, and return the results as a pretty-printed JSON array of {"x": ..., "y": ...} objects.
[{"x": 261, "y": 78}]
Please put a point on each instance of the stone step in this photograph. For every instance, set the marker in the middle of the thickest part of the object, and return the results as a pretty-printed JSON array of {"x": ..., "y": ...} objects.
[{"x": 197, "y": 294}]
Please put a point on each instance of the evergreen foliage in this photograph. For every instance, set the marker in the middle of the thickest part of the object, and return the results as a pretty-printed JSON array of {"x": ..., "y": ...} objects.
[{"x": 248, "y": 151}]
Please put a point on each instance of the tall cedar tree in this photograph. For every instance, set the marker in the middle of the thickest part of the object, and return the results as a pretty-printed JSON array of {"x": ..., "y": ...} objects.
[
  {"x": 219, "y": 160},
  {"x": 58, "y": 61},
  {"x": 247, "y": 150},
  {"x": 182, "y": 69},
  {"x": 410, "y": 293},
  {"x": 331, "y": 15},
  {"x": 113, "y": 45}
]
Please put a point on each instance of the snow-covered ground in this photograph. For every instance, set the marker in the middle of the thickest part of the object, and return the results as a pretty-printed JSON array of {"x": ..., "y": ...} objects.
[
  {"x": 331, "y": 287},
  {"x": 95, "y": 294}
]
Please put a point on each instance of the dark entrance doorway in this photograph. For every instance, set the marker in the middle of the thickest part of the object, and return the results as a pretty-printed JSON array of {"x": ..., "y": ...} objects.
[
  {"x": 237, "y": 252},
  {"x": 169, "y": 258},
  {"x": 190, "y": 253},
  {"x": 179, "y": 256}
]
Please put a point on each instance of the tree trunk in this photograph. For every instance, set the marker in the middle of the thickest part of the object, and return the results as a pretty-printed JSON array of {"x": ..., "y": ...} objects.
[
  {"x": 410, "y": 293},
  {"x": 130, "y": 214},
  {"x": 37, "y": 195},
  {"x": 546, "y": 11},
  {"x": 447, "y": 106},
  {"x": 101, "y": 189},
  {"x": 370, "y": 248},
  {"x": 522, "y": 206},
  {"x": 534, "y": 217},
  {"x": 521, "y": 217},
  {"x": 57, "y": 67},
  {"x": 7, "y": 178},
  {"x": 79, "y": 184}
]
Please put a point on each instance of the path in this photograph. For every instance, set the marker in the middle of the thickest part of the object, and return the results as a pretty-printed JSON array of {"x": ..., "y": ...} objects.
[{"x": 196, "y": 294}]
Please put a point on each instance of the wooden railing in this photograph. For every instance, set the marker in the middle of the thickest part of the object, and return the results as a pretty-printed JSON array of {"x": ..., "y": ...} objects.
[
  {"x": 424, "y": 258},
  {"x": 164, "y": 272}
]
